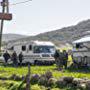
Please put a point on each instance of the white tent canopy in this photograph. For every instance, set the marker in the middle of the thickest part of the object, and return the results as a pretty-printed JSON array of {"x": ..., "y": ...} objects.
[{"x": 84, "y": 39}]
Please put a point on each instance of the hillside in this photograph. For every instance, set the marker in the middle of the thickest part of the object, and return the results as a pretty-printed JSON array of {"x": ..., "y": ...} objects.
[
  {"x": 10, "y": 37},
  {"x": 64, "y": 35}
]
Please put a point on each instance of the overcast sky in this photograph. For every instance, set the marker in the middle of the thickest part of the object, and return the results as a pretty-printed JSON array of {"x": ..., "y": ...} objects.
[{"x": 39, "y": 16}]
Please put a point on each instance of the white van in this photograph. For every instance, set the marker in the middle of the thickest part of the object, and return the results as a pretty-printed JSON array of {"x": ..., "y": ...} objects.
[
  {"x": 34, "y": 51},
  {"x": 81, "y": 51}
]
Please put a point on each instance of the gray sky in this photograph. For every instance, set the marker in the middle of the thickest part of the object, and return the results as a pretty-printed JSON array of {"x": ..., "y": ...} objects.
[{"x": 46, "y": 15}]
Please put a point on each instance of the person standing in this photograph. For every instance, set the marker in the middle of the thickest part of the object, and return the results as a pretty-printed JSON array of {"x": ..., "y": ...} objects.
[
  {"x": 20, "y": 58},
  {"x": 58, "y": 59},
  {"x": 14, "y": 59},
  {"x": 65, "y": 58},
  {"x": 56, "y": 56},
  {"x": 6, "y": 56}
]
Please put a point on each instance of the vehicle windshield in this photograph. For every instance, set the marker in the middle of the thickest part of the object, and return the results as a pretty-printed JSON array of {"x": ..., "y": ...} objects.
[
  {"x": 79, "y": 45},
  {"x": 44, "y": 49}
]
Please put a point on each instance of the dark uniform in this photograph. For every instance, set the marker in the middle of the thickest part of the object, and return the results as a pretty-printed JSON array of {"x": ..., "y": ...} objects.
[
  {"x": 20, "y": 58},
  {"x": 14, "y": 58},
  {"x": 6, "y": 56},
  {"x": 65, "y": 58},
  {"x": 61, "y": 60},
  {"x": 58, "y": 59}
]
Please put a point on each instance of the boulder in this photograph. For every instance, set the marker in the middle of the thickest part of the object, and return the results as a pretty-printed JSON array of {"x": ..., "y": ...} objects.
[
  {"x": 61, "y": 83},
  {"x": 68, "y": 79}
]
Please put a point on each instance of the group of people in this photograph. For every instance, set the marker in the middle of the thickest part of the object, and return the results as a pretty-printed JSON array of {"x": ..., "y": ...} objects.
[
  {"x": 14, "y": 57},
  {"x": 61, "y": 59}
]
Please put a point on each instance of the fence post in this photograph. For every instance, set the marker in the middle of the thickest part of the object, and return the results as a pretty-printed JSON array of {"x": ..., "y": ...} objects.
[{"x": 28, "y": 86}]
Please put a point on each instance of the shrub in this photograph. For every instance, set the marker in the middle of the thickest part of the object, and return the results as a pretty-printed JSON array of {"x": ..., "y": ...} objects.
[
  {"x": 48, "y": 75},
  {"x": 43, "y": 80},
  {"x": 68, "y": 79},
  {"x": 52, "y": 82},
  {"x": 34, "y": 78},
  {"x": 15, "y": 77}
]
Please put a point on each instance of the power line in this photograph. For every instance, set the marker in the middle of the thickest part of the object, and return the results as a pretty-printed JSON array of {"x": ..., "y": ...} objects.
[
  {"x": 21, "y": 2},
  {"x": 12, "y": 4}
]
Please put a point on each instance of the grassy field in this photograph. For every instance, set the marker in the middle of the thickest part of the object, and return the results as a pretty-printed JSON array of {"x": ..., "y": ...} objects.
[{"x": 9, "y": 71}]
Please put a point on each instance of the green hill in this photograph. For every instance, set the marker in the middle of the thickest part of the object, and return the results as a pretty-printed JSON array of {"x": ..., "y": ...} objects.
[{"x": 63, "y": 35}]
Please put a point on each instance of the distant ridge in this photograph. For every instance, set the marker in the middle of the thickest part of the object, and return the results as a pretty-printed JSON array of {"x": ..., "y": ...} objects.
[
  {"x": 10, "y": 37},
  {"x": 64, "y": 35}
]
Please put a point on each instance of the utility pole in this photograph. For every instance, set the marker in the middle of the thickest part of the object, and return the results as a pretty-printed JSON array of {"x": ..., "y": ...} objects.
[
  {"x": 2, "y": 22},
  {"x": 4, "y": 16}
]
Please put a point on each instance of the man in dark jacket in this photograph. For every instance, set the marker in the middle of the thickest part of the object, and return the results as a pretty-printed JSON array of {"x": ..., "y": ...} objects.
[
  {"x": 14, "y": 59},
  {"x": 20, "y": 58},
  {"x": 6, "y": 56},
  {"x": 58, "y": 59},
  {"x": 65, "y": 58}
]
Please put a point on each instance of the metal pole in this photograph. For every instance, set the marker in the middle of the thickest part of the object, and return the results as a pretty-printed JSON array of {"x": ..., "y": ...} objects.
[
  {"x": 2, "y": 23},
  {"x": 7, "y": 3},
  {"x": 28, "y": 86}
]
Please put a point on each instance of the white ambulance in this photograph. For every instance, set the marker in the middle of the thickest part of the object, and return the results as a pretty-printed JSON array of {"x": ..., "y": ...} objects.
[
  {"x": 81, "y": 51},
  {"x": 34, "y": 52}
]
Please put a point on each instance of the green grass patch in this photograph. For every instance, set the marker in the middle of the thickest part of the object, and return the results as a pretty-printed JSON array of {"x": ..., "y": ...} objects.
[{"x": 13, "y": 85}]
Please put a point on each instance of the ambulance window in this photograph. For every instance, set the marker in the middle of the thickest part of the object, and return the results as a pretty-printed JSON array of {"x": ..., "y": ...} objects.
[
  {"x": 12, "y": 48},
  {"x": 79, "y": 45},
  {"x": 23, "y": 48},
  {"x": 30, "y": 47}
]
